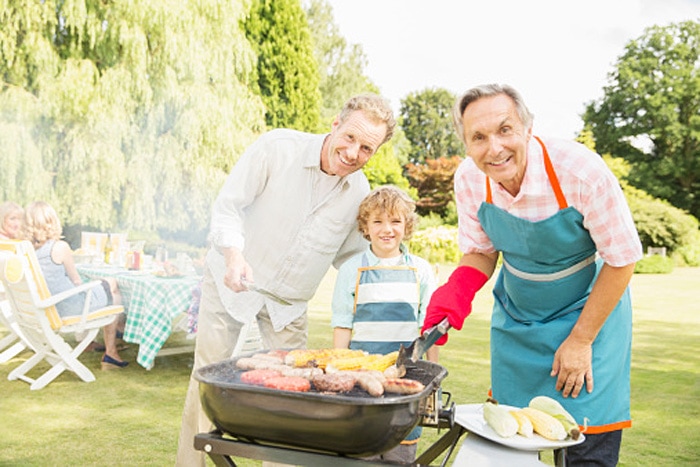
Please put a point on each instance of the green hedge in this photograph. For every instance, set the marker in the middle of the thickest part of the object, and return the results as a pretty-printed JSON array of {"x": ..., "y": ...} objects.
[
  {"x": 654, "y": 264},
  {"x": 438, "y": 245}
]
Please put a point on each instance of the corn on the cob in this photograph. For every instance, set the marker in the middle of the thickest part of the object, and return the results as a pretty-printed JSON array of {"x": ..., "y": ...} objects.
[
  {"x": 300, "y": 358},
  {"x": 524, "y": 424},
  {"x": 545, "y": 425},
  {"x": 555, "y": 409},
  {"x": 363, "y": 362},
  {"x": 323, "y": 361},
  {"x": 500, "y": 419},
  {"x": 350, "y": 363},
  {"x": 383, "y": 362}
]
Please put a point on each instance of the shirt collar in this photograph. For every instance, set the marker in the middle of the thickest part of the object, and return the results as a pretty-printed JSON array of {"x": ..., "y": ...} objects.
[
  {"x": 372, "y": 259},
  {"x": 532, "y": 181},
  {"x": 313, "y": 158},
  {"x": 313, "y": 155}
]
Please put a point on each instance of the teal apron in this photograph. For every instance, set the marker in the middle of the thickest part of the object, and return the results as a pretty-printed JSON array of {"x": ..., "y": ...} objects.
[{"x": 549, "y": 268}]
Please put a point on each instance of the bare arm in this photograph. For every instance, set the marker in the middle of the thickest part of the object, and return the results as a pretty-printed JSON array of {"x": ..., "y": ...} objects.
[
  {"x": 432, "y": 354},
  {"x": 62, "y": 254},
  {"x": 573, "y": 359},
  {"x": 341, "y": 338},
  {"x": 484, "y": 262}
]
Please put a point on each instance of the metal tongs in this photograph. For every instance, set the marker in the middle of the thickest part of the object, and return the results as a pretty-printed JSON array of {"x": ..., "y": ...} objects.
[
  {"x": 254, "y": 288},
  {"x": 418, "y": 347}
]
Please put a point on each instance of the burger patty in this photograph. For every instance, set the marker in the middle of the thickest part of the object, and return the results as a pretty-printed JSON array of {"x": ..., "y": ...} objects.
[
  {"x": 333, "y": 382},
  {"x": 288, "y": 383}
]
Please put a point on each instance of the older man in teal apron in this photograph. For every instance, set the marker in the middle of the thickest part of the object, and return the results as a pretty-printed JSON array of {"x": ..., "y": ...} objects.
[{"x": 562, "y": 317}]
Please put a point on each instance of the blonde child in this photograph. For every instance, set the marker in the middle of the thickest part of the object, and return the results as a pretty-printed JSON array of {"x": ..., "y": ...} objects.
[
  {"x": 381, "y": 294},
  {"x": 43, "y": 228},
  {"x": 11, "y": 215}
]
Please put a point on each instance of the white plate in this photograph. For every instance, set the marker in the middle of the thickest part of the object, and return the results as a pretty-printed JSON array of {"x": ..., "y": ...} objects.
[{"x": 471, "y": 417}]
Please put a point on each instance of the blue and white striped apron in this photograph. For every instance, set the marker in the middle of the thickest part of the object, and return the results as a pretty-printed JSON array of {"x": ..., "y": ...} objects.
[{"x": 387, "y": 300}]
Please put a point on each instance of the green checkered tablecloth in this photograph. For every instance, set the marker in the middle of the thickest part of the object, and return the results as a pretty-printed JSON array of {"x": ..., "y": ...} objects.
[{"x": 151, "y": 303}]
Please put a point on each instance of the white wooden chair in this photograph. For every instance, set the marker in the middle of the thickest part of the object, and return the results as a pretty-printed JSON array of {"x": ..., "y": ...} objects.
[
  {"x": 14, "y": 342},
  {"x": 35, "y": 313}
]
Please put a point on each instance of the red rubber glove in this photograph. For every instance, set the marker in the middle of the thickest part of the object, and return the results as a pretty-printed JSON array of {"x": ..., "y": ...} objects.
[{"x": 453, "y": 300}]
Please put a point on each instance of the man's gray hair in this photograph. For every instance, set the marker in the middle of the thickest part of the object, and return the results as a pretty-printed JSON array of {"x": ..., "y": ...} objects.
[
  {"x": 374, "y": 106},
  {"x": 489, "y": 90}
]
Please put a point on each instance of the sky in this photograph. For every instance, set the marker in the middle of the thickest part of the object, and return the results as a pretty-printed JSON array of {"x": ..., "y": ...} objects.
[{"x": 557, "y": 53}]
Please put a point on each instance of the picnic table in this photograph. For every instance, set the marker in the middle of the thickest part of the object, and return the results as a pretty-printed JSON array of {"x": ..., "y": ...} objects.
[{"x": 152, "y": 302}]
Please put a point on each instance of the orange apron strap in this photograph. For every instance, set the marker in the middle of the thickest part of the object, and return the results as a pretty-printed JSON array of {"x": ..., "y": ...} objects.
[{"x": 553, "y": 180}]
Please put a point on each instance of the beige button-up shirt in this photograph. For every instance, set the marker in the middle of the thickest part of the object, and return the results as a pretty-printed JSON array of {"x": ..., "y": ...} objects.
[{"x": 290, "y": 229}]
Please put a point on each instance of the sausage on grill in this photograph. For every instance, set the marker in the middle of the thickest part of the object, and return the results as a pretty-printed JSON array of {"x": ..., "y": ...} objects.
[
  {"x": 403, "y": 386},
  {"x": 255, "y": 363},
  {"x": 270, "y": 356},
  {"x": 395, "y": 371},
  {"x": 258, "y": 376},
  {"x": 307, "y": 373},
  {"x": 370, "y": 381}
]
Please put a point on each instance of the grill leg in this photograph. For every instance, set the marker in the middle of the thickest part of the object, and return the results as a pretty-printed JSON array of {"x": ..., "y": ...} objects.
[
  {"x": 222, "y": 450},
  {"x": 208, "y": 443},
  {"x": 560, "y": 457},
  {"x": 448, "y": 440}
]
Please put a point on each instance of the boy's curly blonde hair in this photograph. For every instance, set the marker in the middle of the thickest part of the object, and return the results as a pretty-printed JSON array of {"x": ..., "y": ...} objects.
[
  {"x": 41, "y": 223},
  {"x": 391, "y": 200}
]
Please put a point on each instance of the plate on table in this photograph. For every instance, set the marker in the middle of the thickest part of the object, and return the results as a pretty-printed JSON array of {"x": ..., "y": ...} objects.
[
  {"x": 138, "y": 272},
  {"x": 471, "y": 417},
  {"x": 162, "y": 275}
]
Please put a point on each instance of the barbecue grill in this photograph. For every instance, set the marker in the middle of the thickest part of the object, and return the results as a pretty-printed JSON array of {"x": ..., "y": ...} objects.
[{"x": 314, "y": 428}]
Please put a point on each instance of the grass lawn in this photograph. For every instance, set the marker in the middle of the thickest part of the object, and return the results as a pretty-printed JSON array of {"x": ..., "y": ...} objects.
[{"x": 132, "y": 416}]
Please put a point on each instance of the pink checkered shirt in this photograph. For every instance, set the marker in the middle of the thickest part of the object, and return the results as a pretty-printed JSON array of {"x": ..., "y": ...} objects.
[{"x": 587, "y": 184}]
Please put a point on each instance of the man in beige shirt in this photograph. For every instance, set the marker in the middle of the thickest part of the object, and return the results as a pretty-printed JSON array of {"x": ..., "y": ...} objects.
[{"x": 285, "y": 214}]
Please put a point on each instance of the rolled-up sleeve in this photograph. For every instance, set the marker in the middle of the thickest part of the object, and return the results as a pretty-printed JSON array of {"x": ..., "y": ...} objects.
[{"x": 243, "y": 184}]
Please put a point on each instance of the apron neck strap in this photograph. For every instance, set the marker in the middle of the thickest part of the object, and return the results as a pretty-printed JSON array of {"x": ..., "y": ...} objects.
[{"x": 553, "y": 180}]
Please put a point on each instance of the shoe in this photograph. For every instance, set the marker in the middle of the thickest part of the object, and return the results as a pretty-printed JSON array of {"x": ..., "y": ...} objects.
[
  {"x": 109, "y": 363},
  {"x": 120, "y": 334}
]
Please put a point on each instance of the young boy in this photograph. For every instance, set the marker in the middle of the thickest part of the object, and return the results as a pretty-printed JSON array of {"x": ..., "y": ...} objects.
[{"x": 381, "y": 294}]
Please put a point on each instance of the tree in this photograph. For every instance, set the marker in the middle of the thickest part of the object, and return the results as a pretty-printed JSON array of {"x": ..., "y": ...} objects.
[
  {"x": 658, "y": 222},
  {"x": 124, "y": 115},
  {"x": 434, "y": 182},
  {"x": 341, "y": 69},
  {"x": 340, "y": 65},
  {"x": 383, "y": 168},
  {"x": 426, "y": 119},
  {"x": 287, "y": 72},
  {"x": 650, "y": 113}
]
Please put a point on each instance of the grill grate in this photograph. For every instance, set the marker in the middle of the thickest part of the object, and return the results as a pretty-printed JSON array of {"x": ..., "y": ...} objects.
[{"x": 227, "y": 374}]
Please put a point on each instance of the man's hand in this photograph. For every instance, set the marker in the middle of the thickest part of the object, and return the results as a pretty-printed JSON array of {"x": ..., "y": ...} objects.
[
  {"x": 453, "y": 300},
  {"x": 573, "y": 367},
  {"x": 236, "y": 269}
]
